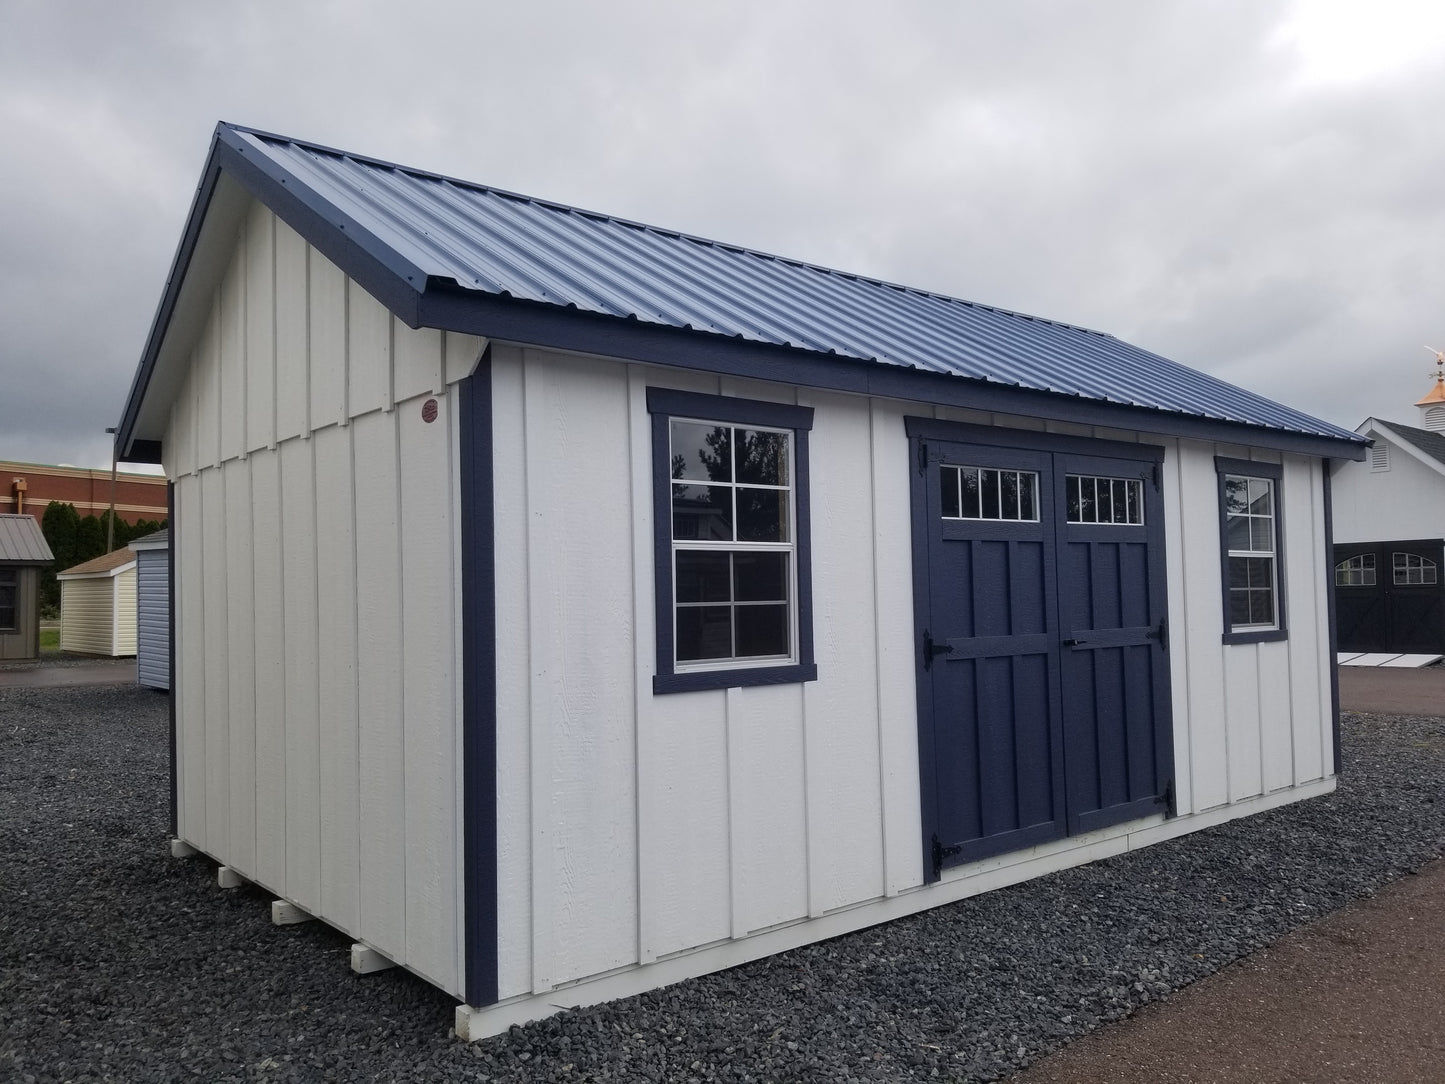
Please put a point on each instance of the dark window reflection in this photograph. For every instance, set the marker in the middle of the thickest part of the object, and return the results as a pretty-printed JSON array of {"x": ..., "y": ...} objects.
[
  {"x": 762, "y": 458},
  {"x": 703, "y": 577},
  {"x": 762, "y": 515},
  {"x": 761, "y": 577},
  {"x": 704, "y": 632},
  {"x": 701, "y": 452},
  {"x": 762, "y": 630},
  {"x": 704, "y": 513}
]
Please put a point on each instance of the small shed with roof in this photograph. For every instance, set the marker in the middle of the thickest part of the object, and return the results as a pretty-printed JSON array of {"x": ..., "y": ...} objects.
[
  {"x": 1389, "y": 523},
  {"x": 153, "y": 609},
  {"x": 97, "y": 605},
  {"x": 24, "y": 553},
  {"x": 566, "y": 606}
]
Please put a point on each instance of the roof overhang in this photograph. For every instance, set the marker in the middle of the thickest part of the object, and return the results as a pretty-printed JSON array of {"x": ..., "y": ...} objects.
[{"x": 238, "y": 171}]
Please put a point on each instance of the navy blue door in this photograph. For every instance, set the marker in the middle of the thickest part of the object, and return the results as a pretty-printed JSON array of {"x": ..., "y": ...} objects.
[
  {"x": 1390, "y": 596},
  {"x": 1043, "y": 685}
]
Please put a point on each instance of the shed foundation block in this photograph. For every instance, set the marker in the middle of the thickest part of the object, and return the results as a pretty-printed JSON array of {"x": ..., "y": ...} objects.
[
  {"x": 182, "y": 850},
  {"x": 226, "y": 877},
  {"x": 286, "y": 913},
  {"x": 365, "y": 960}
]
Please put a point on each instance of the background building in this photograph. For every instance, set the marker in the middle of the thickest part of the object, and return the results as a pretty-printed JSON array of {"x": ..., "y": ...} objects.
[{"x": 26, "y": 489}]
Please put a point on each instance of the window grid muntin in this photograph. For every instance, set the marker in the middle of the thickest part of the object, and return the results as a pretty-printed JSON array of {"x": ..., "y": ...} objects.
[
  {"x": 1125, "y": 492},
  {"x": 1249, "y": 559},
  {"x": 1357, "y": 571},
  {"x": 951, "y": 477},
  {"x": 735, "y": 545},
  {"x": 1413, "y": 571}
]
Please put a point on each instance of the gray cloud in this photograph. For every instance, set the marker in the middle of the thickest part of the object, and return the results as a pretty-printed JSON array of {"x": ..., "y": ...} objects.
[{"x": 1164, "y": 172}]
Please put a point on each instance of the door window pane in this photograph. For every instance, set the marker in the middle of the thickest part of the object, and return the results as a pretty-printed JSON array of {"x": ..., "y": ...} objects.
[
  {"x": 1090, "y": 499},
  {"x": 989, "y": 493}
]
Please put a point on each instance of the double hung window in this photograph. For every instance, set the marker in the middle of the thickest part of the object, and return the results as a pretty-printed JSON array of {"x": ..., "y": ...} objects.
[
  {"x": 1250, "y": 531},
  {"x": 731, "y": 538}
]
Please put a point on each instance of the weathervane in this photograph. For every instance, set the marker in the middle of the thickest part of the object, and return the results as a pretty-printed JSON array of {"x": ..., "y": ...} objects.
[{"x": 1439, "y": 373}]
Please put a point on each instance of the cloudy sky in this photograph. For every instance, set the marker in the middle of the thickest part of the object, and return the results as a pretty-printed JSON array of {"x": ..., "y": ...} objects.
[{"x": 1252, "y": 187}]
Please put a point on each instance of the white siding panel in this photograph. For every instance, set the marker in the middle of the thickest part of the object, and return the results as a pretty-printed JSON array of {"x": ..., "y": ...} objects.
[
  {"x": 292, "y": 349},
  {"x": 584, "y": 771},
  {"x": 382, "y": 753},
  {"x": 420, "y": 366},
  {"x": 298, "y": 604},
  {"x": 894, "y": 643},
  {"x": 328, "y": 341},
  {"x": 1310, "y": 578},
  {"x": 336, "y": 671},
  {"x": 1203, "y": 622},
  {"x": 1241, "y": 706},
  {"x": 190, "y": 679},
  {"x": 232, "y": 358},
  {"x": 1179, "y": 676},
  {"x": 768, "y": 808},
  {"x": 514, "y": 802},
  {"x": 1276, "y": 717},
  {"x": 217, "y": 669},
  {"x": 844, "y": 776},
  {"x": 241, "y": 669},
  {"x": 462, "y": 354},
  {"x": 427, "y": 530},
  {"x": 368, "y": 357},
  {"x": 270, "y": 670},
  {"x": 208, "y": 396},
  {"x": 260, "y": 328},
  {"x": 179, "y": 447}
]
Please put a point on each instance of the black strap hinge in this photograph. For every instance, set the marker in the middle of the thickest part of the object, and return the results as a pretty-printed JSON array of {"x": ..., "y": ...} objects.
[
  {"x": 932, "y": 650},
  {"x": 922, "y": 458}
]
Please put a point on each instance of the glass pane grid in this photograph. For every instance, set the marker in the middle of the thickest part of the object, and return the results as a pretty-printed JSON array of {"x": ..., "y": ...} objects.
[
  {"x": 1357, "y": 571},
  {"x": 989, "y": 493},
  {"x": 1410, "y": 569},
  {"x": 1092, "y": 499},
  {"x": 732, "y": 542}
]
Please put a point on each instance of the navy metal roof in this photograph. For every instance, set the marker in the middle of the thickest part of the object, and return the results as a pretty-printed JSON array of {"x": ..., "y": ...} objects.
[{"x": 429, "y": 245}]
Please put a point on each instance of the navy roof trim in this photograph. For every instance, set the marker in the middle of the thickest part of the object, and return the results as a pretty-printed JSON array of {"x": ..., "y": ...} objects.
[{"x": 460, "y": 256}]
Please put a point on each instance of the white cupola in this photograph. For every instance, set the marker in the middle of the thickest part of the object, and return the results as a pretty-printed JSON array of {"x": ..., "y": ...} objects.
[{"x": 1432, "y": 407}]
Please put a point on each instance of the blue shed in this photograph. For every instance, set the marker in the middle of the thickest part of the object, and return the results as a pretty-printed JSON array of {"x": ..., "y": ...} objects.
[{"x": 565, "y": 606}]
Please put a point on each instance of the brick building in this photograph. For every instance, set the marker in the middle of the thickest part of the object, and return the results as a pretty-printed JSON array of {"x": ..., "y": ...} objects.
[{"x": 27, "y": 488}]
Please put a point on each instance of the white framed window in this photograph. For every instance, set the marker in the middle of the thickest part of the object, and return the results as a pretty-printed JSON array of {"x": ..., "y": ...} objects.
[
  {"x": 989, "y": 493},
  {"x": 1093, "y": 499},
  {"x": 1250, "y": 533},
  {"x": 732, "y": 559}
]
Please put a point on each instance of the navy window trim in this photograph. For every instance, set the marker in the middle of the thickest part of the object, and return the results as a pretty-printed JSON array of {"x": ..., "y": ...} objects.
[
  {"x": 664, "y": 404},
  {"x": 1251, "y": 469}
]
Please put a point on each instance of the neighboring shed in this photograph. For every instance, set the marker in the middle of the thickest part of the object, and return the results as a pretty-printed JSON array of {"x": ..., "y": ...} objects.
[
  {"x": 1389, "y": 523},
  {"x": 565, "y": 607},
  {"x": 23, "y": 553},
  {"x": 153, "y": 609},
  {"x": 97, "y": 605}
]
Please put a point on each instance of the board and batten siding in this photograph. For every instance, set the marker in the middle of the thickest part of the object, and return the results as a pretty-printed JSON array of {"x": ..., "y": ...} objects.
[
  {"x": 637, "y": 829},
  {"x": 153, "y": 619},
  {"x": 317, "y": 662}
]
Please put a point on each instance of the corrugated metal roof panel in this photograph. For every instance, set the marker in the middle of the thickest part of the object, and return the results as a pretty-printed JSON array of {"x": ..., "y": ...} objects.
[
  {"x": 513, "y": 246},
  {"x": 21, "y": 541}
]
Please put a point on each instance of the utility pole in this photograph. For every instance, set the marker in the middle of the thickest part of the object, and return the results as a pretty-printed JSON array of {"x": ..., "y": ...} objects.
[{"x": 110, "y": 523}]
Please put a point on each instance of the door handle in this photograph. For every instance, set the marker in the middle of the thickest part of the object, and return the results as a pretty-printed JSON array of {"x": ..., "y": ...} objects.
[{"x": 1075, "y": 643}]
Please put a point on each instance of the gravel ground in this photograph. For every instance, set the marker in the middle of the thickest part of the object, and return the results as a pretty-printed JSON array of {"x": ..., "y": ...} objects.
[{"x": 120, "y": 963}]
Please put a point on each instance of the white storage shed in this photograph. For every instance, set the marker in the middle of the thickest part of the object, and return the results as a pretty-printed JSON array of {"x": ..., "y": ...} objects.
[
  {"x": 565, "y": 607},
  {"x": 97, "y": 605},
  {"x": 153, "y": 609}
]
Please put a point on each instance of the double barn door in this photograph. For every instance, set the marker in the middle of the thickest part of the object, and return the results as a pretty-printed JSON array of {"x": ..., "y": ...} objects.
[{"x": 1043, "y": 671}]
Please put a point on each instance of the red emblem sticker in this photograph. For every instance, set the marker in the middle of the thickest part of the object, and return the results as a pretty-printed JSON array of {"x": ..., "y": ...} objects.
[{"x": 429, "y": 411}]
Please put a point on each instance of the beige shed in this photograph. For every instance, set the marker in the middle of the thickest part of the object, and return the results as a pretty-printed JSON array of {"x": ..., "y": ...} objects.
[
  {"x": 23, "y": 554},
  {"x": 98, "y": 605}
]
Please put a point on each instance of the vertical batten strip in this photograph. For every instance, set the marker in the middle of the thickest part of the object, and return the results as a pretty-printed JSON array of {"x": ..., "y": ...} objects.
[
  {"x": 644, "y": 622},
  {"x": 539, "y": 632}
]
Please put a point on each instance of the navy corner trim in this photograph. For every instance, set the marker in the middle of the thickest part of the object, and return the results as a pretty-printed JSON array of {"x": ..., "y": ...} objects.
[
  {"x": 171, "y": 652},
  {"x": 479, "y": 688},
  {"x": 1334, "y": 661}
]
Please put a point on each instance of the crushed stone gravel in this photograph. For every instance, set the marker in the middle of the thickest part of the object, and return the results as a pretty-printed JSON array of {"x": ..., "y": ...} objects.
[{"x": 120, "y": 963}]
